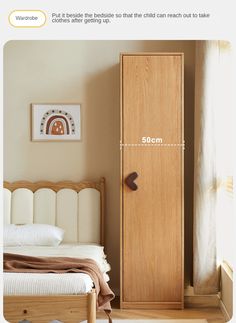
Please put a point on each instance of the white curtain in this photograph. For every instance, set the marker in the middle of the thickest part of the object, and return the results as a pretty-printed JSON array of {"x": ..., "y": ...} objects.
[{"x": 212, "y": 158}]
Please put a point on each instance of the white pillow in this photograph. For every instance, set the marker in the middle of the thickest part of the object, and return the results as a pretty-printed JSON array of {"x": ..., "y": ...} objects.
[{"x": 32, "y": 235}]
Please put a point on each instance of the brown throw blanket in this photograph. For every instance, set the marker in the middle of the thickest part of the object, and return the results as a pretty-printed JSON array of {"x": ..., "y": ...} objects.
[{"x": 15, "y": 263}]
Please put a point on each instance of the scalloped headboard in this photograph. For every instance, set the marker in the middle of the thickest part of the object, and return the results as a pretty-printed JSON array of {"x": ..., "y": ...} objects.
[{"x": 78, "y": 208}]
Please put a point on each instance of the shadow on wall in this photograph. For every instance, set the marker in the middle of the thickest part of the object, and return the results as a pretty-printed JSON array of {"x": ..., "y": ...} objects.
[
  {"x": 101, "y": 131},
  {"x": 188, "y": 173}
]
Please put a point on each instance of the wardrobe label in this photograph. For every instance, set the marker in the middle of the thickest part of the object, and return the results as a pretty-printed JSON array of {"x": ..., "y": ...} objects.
[{"x": 151, "y": 140}]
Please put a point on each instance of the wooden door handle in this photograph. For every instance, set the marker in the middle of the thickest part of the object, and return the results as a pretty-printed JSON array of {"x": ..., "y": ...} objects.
[{"x": 129, "y": 181}]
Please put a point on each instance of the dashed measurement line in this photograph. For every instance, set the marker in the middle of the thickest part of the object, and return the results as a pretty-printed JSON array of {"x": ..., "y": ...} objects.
[{"x": 151, "y": 145}]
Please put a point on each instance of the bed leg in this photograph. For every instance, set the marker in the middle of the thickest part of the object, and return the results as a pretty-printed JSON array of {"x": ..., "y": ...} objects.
[{"x": 92, "y": 307}]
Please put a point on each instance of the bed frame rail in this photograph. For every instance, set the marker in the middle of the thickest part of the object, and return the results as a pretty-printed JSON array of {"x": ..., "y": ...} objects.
[{"x": 43, "y": 309}]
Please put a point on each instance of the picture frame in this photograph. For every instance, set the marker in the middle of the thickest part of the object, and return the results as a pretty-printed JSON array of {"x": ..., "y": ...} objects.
[{"x": 56, "y": 122}]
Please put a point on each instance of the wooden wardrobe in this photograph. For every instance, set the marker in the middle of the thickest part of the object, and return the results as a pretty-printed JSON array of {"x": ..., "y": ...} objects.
[{"x": 152, "y": 146}]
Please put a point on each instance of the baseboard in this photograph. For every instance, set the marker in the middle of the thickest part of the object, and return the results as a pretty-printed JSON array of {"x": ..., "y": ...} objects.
[
  {"x": 226, "y": 301},
  {"x": 192, "y": 300},
  {"x": 224, "y": 312},
  {"x": 199, "y": 301},
  {"x": 152, "y": 305}
]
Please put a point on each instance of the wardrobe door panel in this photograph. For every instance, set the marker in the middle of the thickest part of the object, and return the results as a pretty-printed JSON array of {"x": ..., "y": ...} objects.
[
  {"x": 152, "y": 98},
  {"x": 152, "y": 225},
  {"x": 152, "y": 180}
]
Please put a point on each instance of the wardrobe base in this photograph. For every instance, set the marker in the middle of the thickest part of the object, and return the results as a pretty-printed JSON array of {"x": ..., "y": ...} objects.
[{"x": 152, "y": 305}]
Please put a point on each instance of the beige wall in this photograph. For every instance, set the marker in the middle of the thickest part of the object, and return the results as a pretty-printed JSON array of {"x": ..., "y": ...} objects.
[{"x": 86, "y": 72}]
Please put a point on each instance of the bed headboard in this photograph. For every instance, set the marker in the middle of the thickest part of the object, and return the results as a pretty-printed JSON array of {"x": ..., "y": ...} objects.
[{"x": 78, "y": 208}]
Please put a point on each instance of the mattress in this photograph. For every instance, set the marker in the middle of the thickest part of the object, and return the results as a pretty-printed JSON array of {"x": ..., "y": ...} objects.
[
  {"x": 46, "y": 284},
  {"x": 51, "y": 284}
]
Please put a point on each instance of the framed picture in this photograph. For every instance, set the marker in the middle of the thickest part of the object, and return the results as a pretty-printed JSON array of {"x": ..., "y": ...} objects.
[{"x": 56, "y": 122}]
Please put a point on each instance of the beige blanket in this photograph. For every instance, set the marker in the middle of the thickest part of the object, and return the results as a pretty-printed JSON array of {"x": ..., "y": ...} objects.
[{"x": 15, "y": 263}]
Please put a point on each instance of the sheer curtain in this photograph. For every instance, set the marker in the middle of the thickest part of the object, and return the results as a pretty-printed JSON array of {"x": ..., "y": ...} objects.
[{"x": 213, "y": 160}]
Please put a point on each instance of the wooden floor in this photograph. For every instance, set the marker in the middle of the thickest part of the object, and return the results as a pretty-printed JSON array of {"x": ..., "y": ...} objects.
[{"x": 212, "y": 315}]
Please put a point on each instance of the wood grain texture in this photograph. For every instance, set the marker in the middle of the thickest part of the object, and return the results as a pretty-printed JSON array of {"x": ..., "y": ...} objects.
[
  {"x": 152, "y": 226},
  {"x": 34, "y": 186},
  {"x": 212, "y": 315},
  {"x": 42, "y": 309},
  {"x": 152, "y": 253},
  {"x": 152, "y": 98},
  {"x": 152, "y": 305},
  {"x": 91, "y": 307},
  {"x": 54, "y": 186}
]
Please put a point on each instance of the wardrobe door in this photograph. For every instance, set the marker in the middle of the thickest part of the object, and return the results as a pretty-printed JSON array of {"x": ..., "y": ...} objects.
[
  {"x": 152, "y": 256},
  {"x": 152, "y": 211},
  {"x": 152, "y": 98}
]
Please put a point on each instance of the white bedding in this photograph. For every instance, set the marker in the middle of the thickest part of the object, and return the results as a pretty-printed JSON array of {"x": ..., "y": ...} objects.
[
  {"x": 75, "y": 250},
  {"x": 46, "y": 284},
  {"x": 51, "y": 284}
]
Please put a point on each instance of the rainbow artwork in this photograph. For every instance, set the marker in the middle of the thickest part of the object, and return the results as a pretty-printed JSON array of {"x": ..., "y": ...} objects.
[{"x": 56, "y": 122}]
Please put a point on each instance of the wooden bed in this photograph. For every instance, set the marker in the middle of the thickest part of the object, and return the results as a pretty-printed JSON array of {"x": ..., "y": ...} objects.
[{"x": 65, "y": 308}]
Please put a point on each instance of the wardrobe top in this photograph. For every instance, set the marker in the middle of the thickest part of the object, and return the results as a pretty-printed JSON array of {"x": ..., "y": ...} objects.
[{"x": 152, "y": 54}]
